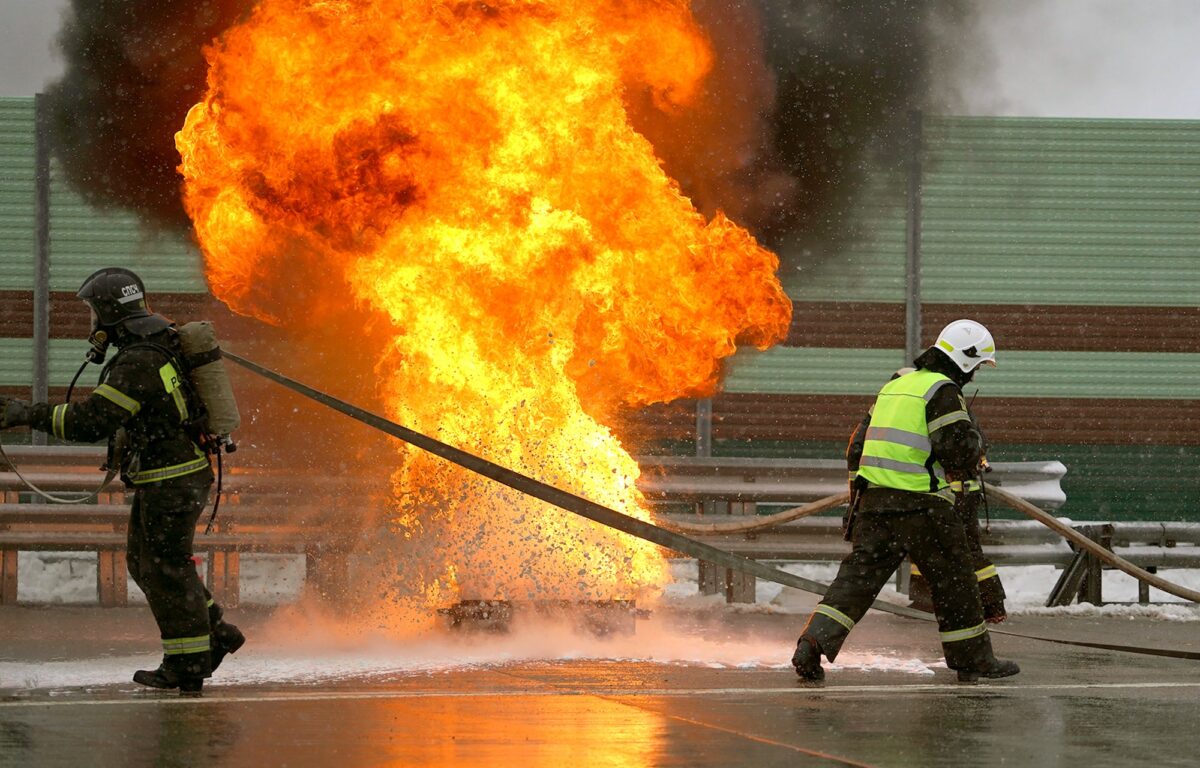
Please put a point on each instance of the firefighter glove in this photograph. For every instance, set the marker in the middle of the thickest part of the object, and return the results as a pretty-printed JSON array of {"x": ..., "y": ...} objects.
[{"x": 13, "y": 413}]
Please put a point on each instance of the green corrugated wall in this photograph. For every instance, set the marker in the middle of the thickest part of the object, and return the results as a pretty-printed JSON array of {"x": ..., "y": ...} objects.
[
  {"x": 1037, "y": 211},
  {"x": 829, "y": 371},
  {"x": 65, "y": 358},
  {"x": 869, "y": 264},
  {"x": 1022, "y": 211},
  {"x": 16, "y": 194},
  {"x": 1014, "y": 211},
  {"x": 1025, "y": 210},
  {"x": 82, "y": 238}
]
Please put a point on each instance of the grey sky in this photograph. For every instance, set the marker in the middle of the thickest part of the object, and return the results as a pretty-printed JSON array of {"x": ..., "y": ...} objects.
[
  {"x": 28, "y": 60},
  {"x": 1090, "y": 58},
  {"x": 1069, "y": 58}
]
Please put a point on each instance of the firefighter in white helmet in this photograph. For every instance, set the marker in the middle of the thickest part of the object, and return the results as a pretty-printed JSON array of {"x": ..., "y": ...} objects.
[
  {"x": 919, "y": 445},
  {"x": 967, "y": 504}
]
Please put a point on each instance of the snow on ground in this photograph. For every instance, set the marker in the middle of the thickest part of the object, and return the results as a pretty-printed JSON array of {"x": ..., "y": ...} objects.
[
  {"x": 69, "y": 578},
  {"x": 1028, "y": 586},
  {"x": 298, "y": 648}
]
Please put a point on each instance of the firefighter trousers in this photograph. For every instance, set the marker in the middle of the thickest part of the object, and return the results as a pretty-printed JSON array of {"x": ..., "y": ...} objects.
[
  {"x": 991, "y": 590},
  {"x": 162, "y": 525},
  {"x": 935, "y": 540}
]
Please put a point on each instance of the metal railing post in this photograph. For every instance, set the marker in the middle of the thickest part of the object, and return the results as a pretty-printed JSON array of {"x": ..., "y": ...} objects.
[
  {"x": 912, "y": 250},
  {"x": 704, "y": 427},
  {"x": 41, "y": 258}
]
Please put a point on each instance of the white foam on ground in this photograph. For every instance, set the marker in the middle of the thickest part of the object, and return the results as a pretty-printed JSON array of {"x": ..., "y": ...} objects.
[
  {"x": 301, "y": 660},
  {"x": 287, "y": 656}
]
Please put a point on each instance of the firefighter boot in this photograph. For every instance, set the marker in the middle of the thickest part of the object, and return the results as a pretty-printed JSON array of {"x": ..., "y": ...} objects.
[
  {"x": 807, "y": 659},
  {"x": 919, "y": 594},
  {"x": 156, "y": 678},
  {"x": 226, "y": 638},
  {"x": 992, "y": 670},
  {"x": 183, "y": 671}
]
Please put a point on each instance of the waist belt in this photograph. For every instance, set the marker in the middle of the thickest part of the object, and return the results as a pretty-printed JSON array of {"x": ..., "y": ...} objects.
[{"x": 945, "y": 494}]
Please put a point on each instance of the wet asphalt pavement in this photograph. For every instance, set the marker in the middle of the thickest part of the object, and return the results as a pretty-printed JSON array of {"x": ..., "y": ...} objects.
[{"x": 1070, "y": 706}]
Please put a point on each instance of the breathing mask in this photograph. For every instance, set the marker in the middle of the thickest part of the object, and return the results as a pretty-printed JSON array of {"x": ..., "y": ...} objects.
[{"x": 98, "y": 339}]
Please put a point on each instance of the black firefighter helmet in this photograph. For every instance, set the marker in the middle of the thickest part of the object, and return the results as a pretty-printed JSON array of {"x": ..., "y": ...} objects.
[{"x": 117, "y": 298}]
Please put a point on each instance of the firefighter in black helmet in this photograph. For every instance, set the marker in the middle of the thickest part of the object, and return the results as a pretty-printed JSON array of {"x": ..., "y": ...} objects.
[{"x": 145, "y": 407}]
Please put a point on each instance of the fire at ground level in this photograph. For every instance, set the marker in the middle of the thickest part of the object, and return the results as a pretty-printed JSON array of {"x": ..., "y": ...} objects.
[
  {"x": 599, "y": 618},
  {"x": 708, "y": 687}
]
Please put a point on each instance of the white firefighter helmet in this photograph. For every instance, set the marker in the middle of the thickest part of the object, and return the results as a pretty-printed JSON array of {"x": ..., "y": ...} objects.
[{"x": 968, "y": 344}]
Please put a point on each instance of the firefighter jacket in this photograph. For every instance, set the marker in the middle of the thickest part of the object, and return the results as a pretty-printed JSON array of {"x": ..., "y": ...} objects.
[
  {"x": 917, "y": 433},
  {"x": 143, "y": 401}
]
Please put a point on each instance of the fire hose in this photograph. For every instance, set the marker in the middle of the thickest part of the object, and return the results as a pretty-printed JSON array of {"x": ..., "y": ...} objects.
[
  {"x": 765, "y": 521},
  {"x": 611, "y": 518},
  {"x": 88, "y": 499},
  {"x": 997, "y": 494},
  {"x": 1083, "y": 542}
]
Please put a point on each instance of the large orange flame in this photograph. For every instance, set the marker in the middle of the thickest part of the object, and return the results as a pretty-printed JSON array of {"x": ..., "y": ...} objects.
[{"x": 464, "y": 175}]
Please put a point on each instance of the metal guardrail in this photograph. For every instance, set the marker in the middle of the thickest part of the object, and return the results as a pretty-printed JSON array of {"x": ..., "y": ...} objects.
[
  {"x": 787, "y": 481},
  {"x": 55, "y": 455},
  {"x": 264, "y": 512},
  {"x": 741, "y": 484},
  {"x": 1007, "y": 542}
]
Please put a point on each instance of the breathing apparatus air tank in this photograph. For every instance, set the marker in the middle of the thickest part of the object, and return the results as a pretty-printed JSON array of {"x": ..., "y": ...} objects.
[{"x": 202, "y": 355}]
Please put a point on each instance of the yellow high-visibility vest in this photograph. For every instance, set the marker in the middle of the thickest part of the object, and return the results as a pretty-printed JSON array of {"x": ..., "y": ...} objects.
[{"x": 897, "y": 452}]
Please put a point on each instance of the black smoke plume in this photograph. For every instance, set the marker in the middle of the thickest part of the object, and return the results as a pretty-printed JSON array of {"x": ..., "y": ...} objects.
[
  {"x": 133, "y": 69},
  {"x": 806, "y": 96},
  {"x": 810, "y": 96}
]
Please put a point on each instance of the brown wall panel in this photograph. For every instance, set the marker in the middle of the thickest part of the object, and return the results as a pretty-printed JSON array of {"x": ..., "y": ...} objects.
[
  {"x": 16, "y": 314},
  {"x": 1078, "y": 329},
  {"x": 796, "y": 417},
  {"x": 845, "y": 325},
  {"x": 69, "y": 317},
  {"x": 853, "y": 325},
  {"x": 1099, "y": 421},
  {"x": 671, "y": 421}
]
